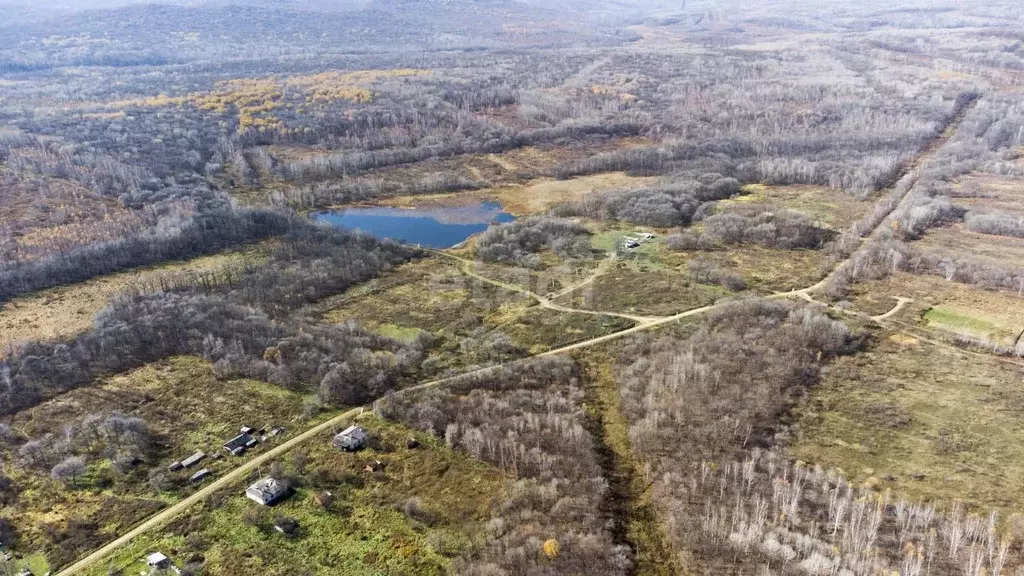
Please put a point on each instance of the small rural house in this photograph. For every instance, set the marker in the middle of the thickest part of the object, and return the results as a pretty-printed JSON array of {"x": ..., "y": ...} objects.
[
  {"x": 268, "y": 491},
  {"x": 200, "y": 476},
  {"x": 158, "y": 560},
  {"x": 239, "y": 444},
  {"x": 351, "y": 439}
]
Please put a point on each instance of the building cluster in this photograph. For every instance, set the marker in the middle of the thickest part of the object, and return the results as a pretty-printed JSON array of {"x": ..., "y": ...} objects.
[{"x": 636, "y": 240}]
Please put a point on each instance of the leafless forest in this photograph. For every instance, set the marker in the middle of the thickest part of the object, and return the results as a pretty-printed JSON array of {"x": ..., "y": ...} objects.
[{"x": 135, "y": 136}]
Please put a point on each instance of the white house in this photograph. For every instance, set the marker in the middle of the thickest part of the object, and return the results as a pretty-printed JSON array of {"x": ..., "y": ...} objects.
[
  {"x": 351, "y": 439},
  {"x": 267, "y": 491}
]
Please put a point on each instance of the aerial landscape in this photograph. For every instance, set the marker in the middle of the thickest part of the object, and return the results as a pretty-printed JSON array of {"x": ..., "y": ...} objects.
[{"x": 512, "y": 287}]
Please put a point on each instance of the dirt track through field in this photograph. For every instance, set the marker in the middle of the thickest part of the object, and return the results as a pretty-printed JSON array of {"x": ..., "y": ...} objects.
[{"x": 643, "y": 323}]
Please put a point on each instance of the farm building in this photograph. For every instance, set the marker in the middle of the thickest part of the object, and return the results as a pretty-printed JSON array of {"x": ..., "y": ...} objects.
[
  {"x": 200, "y": 476},
  {"x": 351, "y": 439},
  {"x": 268, "y": 491},
  {"x": 193, "y": 460},
  {"x": 239, "y": 444}
]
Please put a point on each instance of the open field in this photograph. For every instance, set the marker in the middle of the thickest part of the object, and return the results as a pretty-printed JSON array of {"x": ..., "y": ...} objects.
[
  {"x": 826, "y": 207},
  {"x": 67, "y": 311},
  {"x": 185, "y": 409},
  {"x": 531, "y": 197},
  {"x": 948, "y": 306},
  {"x": 991, "y": 193},
  {"x": 958, "y": 240},
  {"x": 469, "y": 321},
  {"x": 625, "y": 288},
  {"x": 923, "y": 420},
  {"x": 427, "y": 507}
]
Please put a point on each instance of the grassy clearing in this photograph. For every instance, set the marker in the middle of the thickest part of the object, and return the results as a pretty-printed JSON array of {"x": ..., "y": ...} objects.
[
  {"x": 826, "y": 207},
  {"x": 925, "y": 420},
  {"x": 185, "y": 406},
  {"x": 996, "y": 194},
  {"x": 947, "y": 306},
  {"x": 435, "y": 297},
  {"x": 539, "y": 330},
  {"x": 952, "y": 321},
  {"x": 1001, "y": 251},
  {"x": 66, "y": 311},
  {"x": 630, "y": 288},
  {"x": 533, "y": 197},
  {"x": 365, "y": 531},
  {"x": 431, "y": 295}
]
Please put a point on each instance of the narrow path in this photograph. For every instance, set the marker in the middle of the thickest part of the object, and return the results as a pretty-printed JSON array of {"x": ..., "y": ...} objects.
[
  {"x": 467, "y": 269},
  {"x": 601, "y": 269},
  {"x": 901, "y": 303},
  {"x": 644, "y": 323}
]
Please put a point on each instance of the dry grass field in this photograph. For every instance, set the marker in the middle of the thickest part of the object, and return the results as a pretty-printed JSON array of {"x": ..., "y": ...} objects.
[
  {"x": 66, "y": 311},
  {"x": 923, "y": 420},
  {"x": 532, "y": 197}
]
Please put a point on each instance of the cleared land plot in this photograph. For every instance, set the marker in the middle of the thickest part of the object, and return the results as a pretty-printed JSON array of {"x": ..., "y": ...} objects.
[
  {"x": 425, "y": 508},
  {"x": 925, "y": 420},
  {"x": 469, "y": 321},
  {"x": 994, "y": 194},
  {"x": 949, "y": 306},
  {"x": 430, "y": 295},
  {"x": 765, "y": 270},
  {"x": 626, "y": 289},
  {"x": 186, "y": 408},
  {"x": 533, "y": 197},
  {"x": 68, "y": 310},
  {"x": 1000, "y": 251},
  {"x": 826, "y": 207}
]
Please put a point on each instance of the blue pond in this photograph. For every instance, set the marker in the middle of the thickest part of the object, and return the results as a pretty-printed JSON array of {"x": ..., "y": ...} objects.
[{"x": 432, "y": 227}]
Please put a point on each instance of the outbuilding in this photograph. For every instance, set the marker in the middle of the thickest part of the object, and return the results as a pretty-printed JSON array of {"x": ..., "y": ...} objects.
[
  {"x": 193, "y": 460},
  {"x": 158, "y": 560},
  {"x": 351, "y": 439},
  {"x": 200, "y": 476},
  {"x": 375, "y": 466},
  {"x": 239, "y": 444},
  {"x": 287, "y": 526}
]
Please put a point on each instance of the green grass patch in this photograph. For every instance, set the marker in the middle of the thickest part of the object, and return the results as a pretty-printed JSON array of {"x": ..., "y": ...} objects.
[
  {"x": 949, "y": 320},
  {"x": 396, "y": 332}
]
